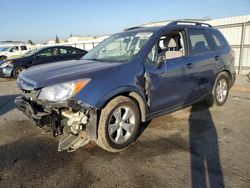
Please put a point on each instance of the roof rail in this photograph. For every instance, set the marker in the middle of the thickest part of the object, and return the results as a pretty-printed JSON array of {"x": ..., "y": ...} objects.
[
  {"x": 188, "y": 22},
  {"x": 132, "y": 28}
]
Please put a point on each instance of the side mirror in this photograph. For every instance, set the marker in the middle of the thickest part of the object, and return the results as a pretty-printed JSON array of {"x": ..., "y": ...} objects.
[{"x": 160, "y": 61}]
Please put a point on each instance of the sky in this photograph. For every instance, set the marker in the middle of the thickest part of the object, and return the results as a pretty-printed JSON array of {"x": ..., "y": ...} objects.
[{"x": 42, "y": 20}]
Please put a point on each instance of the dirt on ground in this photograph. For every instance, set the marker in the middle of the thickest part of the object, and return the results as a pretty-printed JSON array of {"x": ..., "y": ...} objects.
[{"x": 193, "y": 147}]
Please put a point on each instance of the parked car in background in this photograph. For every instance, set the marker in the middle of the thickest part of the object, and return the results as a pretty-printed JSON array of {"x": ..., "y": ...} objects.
[
  {"x": 13, "y": 67},
  {"x": 129, "y": 78},
  {"x": 12, "y": 50}
]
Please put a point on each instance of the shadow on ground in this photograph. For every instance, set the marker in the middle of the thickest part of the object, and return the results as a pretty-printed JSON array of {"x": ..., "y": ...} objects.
[
  {"x": 204, "y": 149},
  {"x": 7, "y": 103},
  {"x": 33, "y": 161}
]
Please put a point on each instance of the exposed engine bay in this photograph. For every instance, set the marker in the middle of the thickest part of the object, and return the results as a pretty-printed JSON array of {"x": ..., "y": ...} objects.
[{"x": 72, "y": 121}]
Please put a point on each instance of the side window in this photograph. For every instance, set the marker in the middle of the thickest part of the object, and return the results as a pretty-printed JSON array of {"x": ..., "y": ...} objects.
[
  {"x": 45, "y": 53},
  {"x": 79, "y": 52},
  {"x": 169, "y": 46},
  {"x": 151, "y": 58},
  {"x": 24, "y": 48},
  {"x": 218, "y": 39},
  {"x": 71, "y": 51},
  {"x": 63, "y": 51},
  {"x": 55, "y": 51},
  {"x": 199, "y": 41},
  {"x": 14, "y": 49}
]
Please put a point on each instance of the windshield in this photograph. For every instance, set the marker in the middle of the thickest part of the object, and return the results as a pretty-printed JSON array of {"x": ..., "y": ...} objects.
[
  {"x": 31, "y": 52},
  {"x": 4, "y": 49},
  {"x": 121, "y": 47}
]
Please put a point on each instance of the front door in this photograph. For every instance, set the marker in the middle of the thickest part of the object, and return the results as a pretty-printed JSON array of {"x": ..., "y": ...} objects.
[
  {"x": 170, "y": 78},
  {"x": 46, "y": 56}
]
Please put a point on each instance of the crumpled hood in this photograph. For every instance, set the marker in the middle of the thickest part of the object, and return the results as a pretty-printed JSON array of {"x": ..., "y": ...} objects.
[{"x": 44, "y": 75}]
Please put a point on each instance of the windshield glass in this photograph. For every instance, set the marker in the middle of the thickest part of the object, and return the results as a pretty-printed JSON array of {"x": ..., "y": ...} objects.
[
  {"x": 31, "y": 52},
  {"x": 4, "y": 49},
  {"x": 121, "y": 47}
]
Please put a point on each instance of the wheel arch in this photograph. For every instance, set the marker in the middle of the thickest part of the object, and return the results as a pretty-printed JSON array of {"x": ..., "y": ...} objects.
[
  {"x": 17, "y": 67},
  {"x": 230, "y": 76},
  {"x": 130, "y": 92},
  {"x": 3, "y": 56}
]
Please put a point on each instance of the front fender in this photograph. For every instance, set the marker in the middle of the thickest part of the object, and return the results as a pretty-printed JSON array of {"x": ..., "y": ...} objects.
[{"x": 129, "y": 91}]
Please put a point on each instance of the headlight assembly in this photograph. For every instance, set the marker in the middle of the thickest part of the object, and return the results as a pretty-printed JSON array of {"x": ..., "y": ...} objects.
[
  {"x": 5, "y": 64},
  {"x": 63, "y": 91}
]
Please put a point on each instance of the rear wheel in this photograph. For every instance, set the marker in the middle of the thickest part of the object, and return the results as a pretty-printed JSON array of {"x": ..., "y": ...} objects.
[
  {"x": 220, "y": 90},
  {"x": 118, "y": 124},
  {"x": 18, "y": 70},
  {"x": 248, "y": 76}
]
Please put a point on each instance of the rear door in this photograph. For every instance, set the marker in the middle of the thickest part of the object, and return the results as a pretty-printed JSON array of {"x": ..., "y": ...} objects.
[{"x": 204, "y": 59}]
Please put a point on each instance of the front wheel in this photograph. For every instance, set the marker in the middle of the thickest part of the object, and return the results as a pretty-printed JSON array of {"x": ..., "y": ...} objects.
[
  {"x": 17, "y": 71},
  {"x": 3, "y": 58},
  {"x": 220, "y": 90},
  {"x": 118, "y": 124}
]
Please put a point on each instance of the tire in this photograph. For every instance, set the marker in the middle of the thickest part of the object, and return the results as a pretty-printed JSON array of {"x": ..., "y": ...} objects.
[
  {"x": 113, "y": 124},
  {"x": 248, "y": 77},
  {"x": 2, "y": 58},
  {"x": 17, "y": 71},
  {"x": 220, "y": 91}
]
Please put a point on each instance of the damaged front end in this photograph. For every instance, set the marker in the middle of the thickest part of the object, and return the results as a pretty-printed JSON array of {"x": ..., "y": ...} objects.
[{"x": 72, "y": 120}]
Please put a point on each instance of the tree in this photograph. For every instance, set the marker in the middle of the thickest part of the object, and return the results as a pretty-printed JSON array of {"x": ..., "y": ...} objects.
[
  {"x": 31, "y": 42},
  {"x": 57, "y": 39},
  {"x": 70, "y": 35}
]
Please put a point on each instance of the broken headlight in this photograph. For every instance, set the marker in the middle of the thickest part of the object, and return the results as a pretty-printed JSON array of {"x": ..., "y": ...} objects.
[{"x": 62, "y": 91}]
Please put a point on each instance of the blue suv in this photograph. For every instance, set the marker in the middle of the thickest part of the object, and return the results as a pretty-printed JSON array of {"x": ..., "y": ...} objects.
[{"x": 130, "y": 78}]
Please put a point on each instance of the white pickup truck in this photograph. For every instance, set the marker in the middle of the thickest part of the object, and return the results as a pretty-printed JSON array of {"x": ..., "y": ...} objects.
[{"x": 12, "y": 50}]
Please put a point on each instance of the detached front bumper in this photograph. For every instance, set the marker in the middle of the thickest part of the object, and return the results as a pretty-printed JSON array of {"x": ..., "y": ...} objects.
[
  {"x": 37, "y": 117},
  {"x": 70, "y": 119},
  {"x": 6, "y": 72}
]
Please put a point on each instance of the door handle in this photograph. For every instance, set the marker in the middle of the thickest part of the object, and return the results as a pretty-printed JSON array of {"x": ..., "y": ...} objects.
[
  {"x": 217, "y": 58},
  {"x": 189, "y": 65}
]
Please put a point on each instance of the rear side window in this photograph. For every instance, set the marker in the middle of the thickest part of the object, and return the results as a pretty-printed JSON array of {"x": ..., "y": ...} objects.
[
  {"x": 71, "y": 50},
  {"x": 63, "y": 51},
  {"x": 199, "y": 41},
  {"x": 24, "y": 48},
  {"x": 79, "y": 51},
  {"x": 14, "y": 49},
  {"x": 218, "y": 39}
]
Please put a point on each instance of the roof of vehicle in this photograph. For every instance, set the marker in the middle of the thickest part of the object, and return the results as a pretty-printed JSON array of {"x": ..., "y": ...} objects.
[
  {"x": 174, "y": 24},
  {"x": 60, "y": 46},
  {"x": 11, "y": 44}
]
